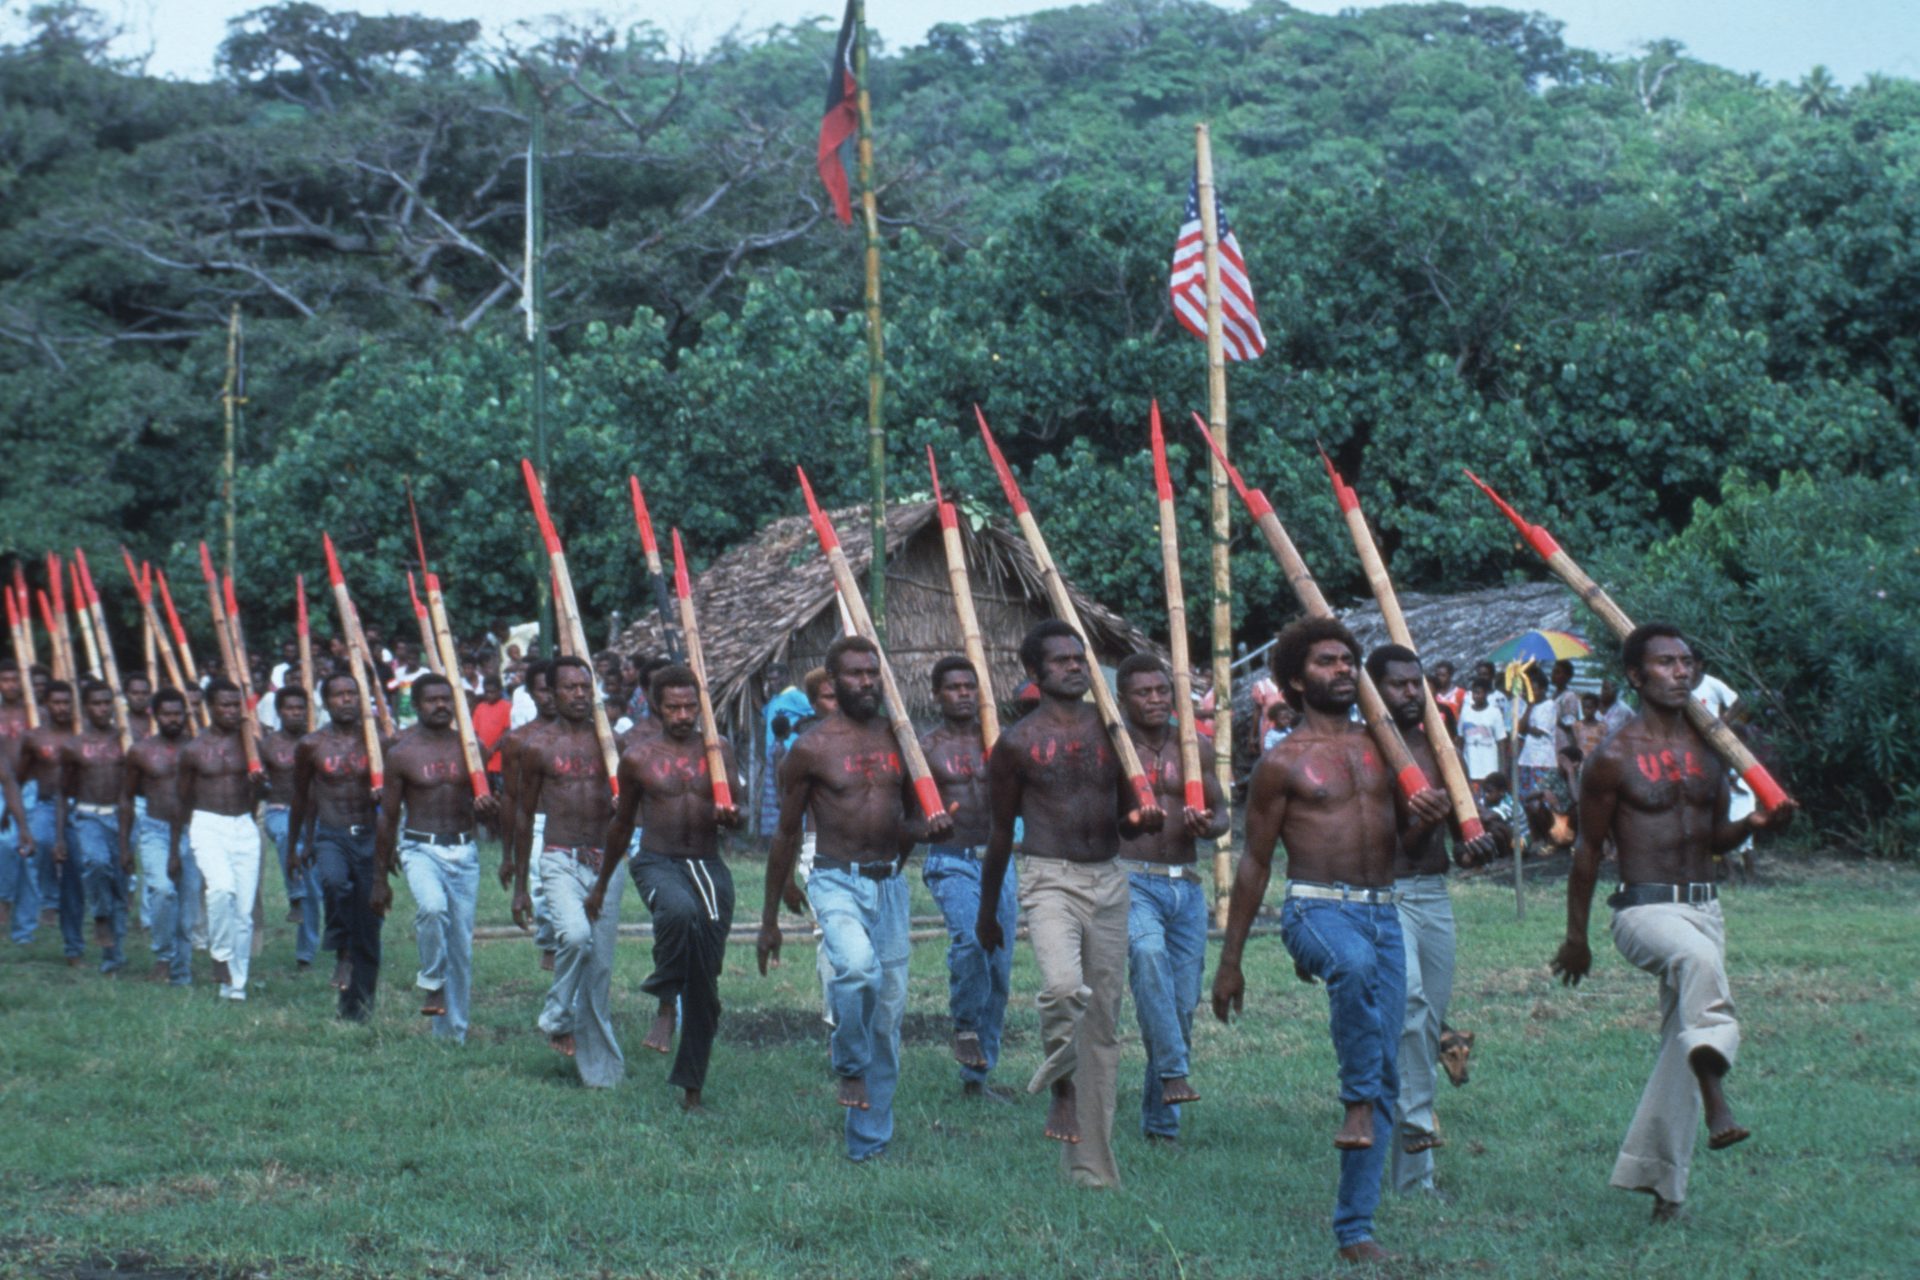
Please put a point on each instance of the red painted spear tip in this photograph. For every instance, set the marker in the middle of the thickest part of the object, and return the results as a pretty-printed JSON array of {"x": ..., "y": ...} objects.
[
  {"x": 1162, "y": 482},
  {"x": 206, "y": 564},
  {"x": 1000, "y": 467},
  {"x": 682, "y": 585},
  {"x": 642, "y": 517},
  {"x": 233, "y": 605},
  {"x": 334, "y": 576},
  {"x": 933, "y": 469},
  {"x": 1342, "y": 491},
  {"x": 539, "y": 499}
]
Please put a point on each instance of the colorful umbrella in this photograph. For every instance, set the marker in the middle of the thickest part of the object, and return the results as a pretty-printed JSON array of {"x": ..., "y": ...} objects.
[{"x": 1543, "y": 647}]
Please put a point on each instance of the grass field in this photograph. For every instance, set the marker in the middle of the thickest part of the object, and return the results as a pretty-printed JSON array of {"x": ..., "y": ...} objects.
[{"x": 154, "y": 1129}]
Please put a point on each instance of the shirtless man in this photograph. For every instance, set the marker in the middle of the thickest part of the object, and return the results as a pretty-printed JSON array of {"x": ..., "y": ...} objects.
[
  {"x": 1660, "y": 792},
  {"x": 538, "y": 682},
  {"x": 562, "y": 777},
  {"x": 1324, "y": 793},
  {"x": 667, "y": 789},
  {"x": 1056, "y": 770},
  {"x": 150, "y": 805},
  {"x": 59, "y": 879},
  {"x": 19, "y": 867},
  {"x": 139, "y": 695},
  {"x": 1426, "y": 931},
  {"x": 846, "y": 773},
  {"x": 92, "y": 763},
  {"x": 278, "y": 750},
  {"x": 978, "y": 981},
  {"x": 428, "y": 779},
  {"x": 1168, "y": 920},
  {"x": 215, "y": 821},
  {"x": 331, "y": 821}
]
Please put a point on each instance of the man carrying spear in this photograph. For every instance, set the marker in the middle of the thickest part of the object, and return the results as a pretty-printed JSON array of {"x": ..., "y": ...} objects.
[
  {"x": 150, "y": 807},
  {"x": 19, "y": 870},
  {"x": 1167, "y": 916},
  {"x": 428, "y": 780},
  {"x": 41, "y": 754},
  {"x": 1325, "y": 794},
  {"x": 92, "y": 766},
  {"x": 538, "y": 683},
  {"x": 279, "y": 749},
  {"x": 1659, "y": 790},
  {"x": 215, "y": 820}
]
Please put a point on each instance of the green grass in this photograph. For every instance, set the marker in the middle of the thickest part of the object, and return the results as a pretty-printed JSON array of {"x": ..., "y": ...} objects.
[{"x": 149, "y": 1126}]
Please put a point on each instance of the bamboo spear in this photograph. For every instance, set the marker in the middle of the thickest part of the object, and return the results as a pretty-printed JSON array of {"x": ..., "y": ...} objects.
[
  {"x": 16, "y": 626},
  {"x": 1177, "y": 639},
  {"x": 429, "y": 639},
  {"x": 570, "y": 619},
  {"x": 1769, "y": 793},
  {"x": 1411, "y": 778},
  {"x": 232, "y": 654},
  {"x": 24, "y": 600},
  {"x": 697, "y": 659},
  {"x": 656, "y": 572},
  {"x": 1452, "y": 774},
  {"x": 1063, "y": 606},
  {"x": 924, "y": 788},
  {"x": 57, "y": 629},
  {"x": 222, "y": 637},
  {"x": 450, "y": 661},
  {"x": 187, "y": 664},
  {"x": 356, "y": 653},
  {"x": 143, "y": 589},
  {"x": 83, "y": 612},
  {"x": 304, "y": 632},
  {"x": 53, "y": 637},
  {"x": 98, "y": 618},
  {"x": 962, "y": 588}
]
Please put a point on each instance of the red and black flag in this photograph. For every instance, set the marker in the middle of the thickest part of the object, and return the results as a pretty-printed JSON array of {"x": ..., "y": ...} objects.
[{"x": 842, "y": 117}]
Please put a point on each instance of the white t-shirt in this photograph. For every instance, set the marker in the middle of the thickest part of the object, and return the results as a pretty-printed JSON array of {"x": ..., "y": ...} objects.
[
  {"x": 1715, "y": 695},
  {"x": 1537, "y": 750},
  {"x": 1480, "y": 734}
]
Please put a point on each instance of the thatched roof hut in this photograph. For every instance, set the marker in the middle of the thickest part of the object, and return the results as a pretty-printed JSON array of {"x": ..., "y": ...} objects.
[
  {"x": 771, "y": 600},
  {"x": 1465, "y": 628}
]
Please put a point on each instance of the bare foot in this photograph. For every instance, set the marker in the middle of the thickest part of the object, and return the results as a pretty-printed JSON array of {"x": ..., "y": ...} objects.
[
  {"x": 1177, "y": 1090},
  {"x": 986, "y": 1092},
  {"x": 1720, "y": 1138},
  {"x": 967, "y": 1051},
  {"x": 546, "y": 961},
  {"x": 1414, "y": 1141},
  {"x": 1063, "y": 1117},
  {"x": 853, "y": 1093},
  {"x": 1664, "y": 1210},
  {"x": 434, "y": 1003},
  {"x": 342, "y": 974},
  {"x": 562, "y": 1044},
  {"x": 221, "y": 974},
  {"x": 660, "y": 1034},
  {"x": 1365, "y": 1252},
  {"x": 1357, "y": 1133}
]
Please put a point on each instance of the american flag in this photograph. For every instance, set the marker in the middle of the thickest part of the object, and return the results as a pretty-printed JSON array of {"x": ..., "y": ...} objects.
[{"x": 1239, "y": 318}]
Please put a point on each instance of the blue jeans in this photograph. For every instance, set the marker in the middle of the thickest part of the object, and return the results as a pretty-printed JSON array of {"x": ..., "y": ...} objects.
[
  {"x": 1166, "y": 956},
  {"x": 445, "y": 881},
  {"x": 863, "y": 927},
  {"x": 94, "y": 839},
  {"x": 173, "y": 906},
  {"x": 343, "y": 864},
  {"x": 59, "y": 882},
  {"x": 20, "y": 876},
  {"x": 977, "y": 982},
  {"x": 1355, "y": 948},
  {"x": 303, "y": 888}
]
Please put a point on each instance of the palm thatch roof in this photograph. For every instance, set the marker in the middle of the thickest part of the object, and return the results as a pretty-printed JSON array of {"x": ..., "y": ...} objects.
[
  {"x": 1463, "y": 629},
  {"x": 772, "y": 600}
]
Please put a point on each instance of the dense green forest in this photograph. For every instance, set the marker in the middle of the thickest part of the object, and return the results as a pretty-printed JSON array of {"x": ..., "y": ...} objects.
[{"x": 1605, "y": 283}]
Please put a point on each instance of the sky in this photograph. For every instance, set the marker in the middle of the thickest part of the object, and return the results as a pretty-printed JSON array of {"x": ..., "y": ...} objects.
[{"x": 1780, "y": 39}]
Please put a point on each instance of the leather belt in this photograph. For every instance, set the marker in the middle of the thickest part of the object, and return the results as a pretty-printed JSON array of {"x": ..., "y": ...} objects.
[
  {"x": 870, "y": 870},
  {"x": 355, "y": 830},
  {"x": 1342, "y": 893},
  {"x": 1171, "y": 870},
  {"x": 1693, "y": 893},
  {"x": 427, "y": 837}
]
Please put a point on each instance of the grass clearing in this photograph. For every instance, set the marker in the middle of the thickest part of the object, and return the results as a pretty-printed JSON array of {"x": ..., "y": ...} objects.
[{"x": 155, "y": 1130}]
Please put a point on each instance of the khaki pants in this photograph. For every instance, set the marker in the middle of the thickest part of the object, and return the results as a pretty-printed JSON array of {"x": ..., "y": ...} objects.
[
  {"x": 1686, "y": 947},
  {"x": 1077, "y": 919}
]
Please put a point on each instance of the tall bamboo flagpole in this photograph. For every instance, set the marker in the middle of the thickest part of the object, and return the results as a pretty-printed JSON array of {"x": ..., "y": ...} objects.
[
  {"x": 533, "y": 301},
  {"x": 957, "y": 581},
  {"x": 232, "y": 396},
  {"x": 1221, "y": 517},
  {"x": 876, "y": 347}
]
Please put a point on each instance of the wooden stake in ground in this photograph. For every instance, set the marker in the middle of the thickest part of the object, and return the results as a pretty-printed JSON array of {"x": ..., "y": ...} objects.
[
  {"x": 1196, "y": 786},
  {"x": 187, "y": 665},
  {"x": 569, "y": 623},
  {"x": 696, "y": 658},
  {"x": 962, "y": 588},
  {"x": 1770, "y": 794},
  {"x": 656, "y": 572},
  {"x": 97, "y": 615},
  {"x": 1412, "y": 779},
  {"x": 16, "y": 628},
  {"x": 357, "y": 654},
  {"x": 462, "y": 714},
  {"x": 924, "y": 788},
  {"x": 1063, "y": 607},
  {"x": 304, "y": 632},
  {"x": 1452, "y": 773}
]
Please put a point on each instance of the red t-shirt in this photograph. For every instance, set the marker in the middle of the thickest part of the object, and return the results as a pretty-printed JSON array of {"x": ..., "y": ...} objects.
[{"x": 490, "y": 721}]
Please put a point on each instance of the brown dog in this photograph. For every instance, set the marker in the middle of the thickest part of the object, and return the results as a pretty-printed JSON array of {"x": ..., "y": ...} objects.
[{"x": 1455, "y": 1048}]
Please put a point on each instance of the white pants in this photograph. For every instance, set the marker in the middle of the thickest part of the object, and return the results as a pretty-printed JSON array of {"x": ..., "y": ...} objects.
[{"x": 227, "y": 849}]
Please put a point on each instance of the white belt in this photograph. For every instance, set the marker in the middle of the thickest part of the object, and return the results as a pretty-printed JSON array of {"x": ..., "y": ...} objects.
[
  {"x": 1342, "y": 893},
  {"x": 97, "y": 810},
  {"x": 1171, "y": 870}
]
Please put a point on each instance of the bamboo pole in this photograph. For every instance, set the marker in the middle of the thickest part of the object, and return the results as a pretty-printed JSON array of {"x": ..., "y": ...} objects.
[
  {"x": 83, "y": 621},
  {"x": 24, "y": 601},
  {"x": 143, "y": 590},
  {"x": 697, "y": 659},
  {"x": 230, "y": 657},
  {"x": 303, "y": 631},
  {"x": 1220, "y": 513},
  {"x": 1196, "y": 789},
  {"x": 924, "y": 788},
  {"x": 232, "y": 396},
  {"x": 876, "y": 344},
  {"x": 570, "y": 619},
  {"x": 1452, "y": 773},
  {"x": 16, "y": 626},
  {"x": 356, "y": 653},
  {"x": 63, "y": 636},
  {"x": 1769, "y": 793},
  {"x": 1063, "y": 606},
  {"x": 96, "y": 616},
  {"x": 462, "y": 714},
  {"x": 179, "y": 632},
  {"x": 958, "y": 582},
  {"x": 656, "y": 572},
  {"x": 429, "y": 642},
  {"x": 54, "y": 654},
  {"x": 1410, "y": 777}
]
